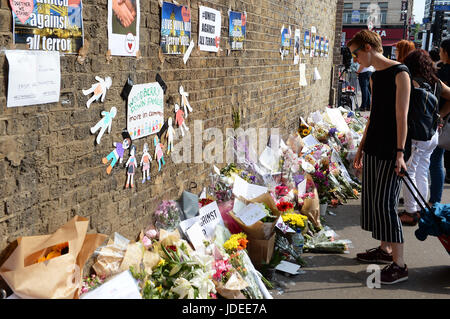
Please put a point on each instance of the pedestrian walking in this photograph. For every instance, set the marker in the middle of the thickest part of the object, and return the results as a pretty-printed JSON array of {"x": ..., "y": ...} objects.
[{"x": 381, "y": 154}]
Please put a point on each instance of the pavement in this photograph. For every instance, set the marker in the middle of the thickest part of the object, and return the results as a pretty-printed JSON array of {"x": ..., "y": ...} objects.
[{"x": 341, "y": 276}]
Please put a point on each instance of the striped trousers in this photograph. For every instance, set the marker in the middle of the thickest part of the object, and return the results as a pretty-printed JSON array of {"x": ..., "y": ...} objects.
[{"x": 379, "y": 199}]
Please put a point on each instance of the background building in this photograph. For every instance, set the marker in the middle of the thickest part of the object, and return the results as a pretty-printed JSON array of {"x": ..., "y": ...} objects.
[
  {"x": 391, "y": 19},
  {"x": 437, "y": 23}
]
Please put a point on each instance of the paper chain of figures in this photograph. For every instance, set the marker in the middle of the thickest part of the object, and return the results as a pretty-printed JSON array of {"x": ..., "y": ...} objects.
[{"x": 99, "y": 93}]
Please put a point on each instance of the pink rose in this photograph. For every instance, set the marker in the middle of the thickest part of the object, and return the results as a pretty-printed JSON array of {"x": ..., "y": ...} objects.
[
  {"x": 146, "y": 242},
  {"x": 151, "y": 233}
]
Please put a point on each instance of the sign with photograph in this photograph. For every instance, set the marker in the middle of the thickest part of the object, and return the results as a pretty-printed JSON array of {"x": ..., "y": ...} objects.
[
  {"x": 237, "y": 23},
  {"x": 123, "y": 27},
  {"x": 175, "y": 28},
  {"x": 48, "y": 27}
]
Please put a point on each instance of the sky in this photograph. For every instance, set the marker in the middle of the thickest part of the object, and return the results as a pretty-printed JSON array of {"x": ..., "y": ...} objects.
[{"x": 418, "y": 8}]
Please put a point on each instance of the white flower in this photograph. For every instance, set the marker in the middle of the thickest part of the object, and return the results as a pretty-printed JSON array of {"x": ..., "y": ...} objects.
[
  {"x": 203, "y": 282},
  {"x": 307, "y": 167},
  {"x": 203, "y": 260},
  {"x": 183, "y": 288}
]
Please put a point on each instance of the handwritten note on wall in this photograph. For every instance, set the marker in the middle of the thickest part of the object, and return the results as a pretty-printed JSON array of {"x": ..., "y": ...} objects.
[{"x": 34, "y": 77}]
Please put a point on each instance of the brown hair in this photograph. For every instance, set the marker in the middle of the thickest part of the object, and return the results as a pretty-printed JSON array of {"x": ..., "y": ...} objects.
[
  {"x": 404, "y": 47},
  {"x": 367, "y": 37}
]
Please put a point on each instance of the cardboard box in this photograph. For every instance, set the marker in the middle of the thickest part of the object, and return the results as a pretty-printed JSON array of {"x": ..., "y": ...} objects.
[{"x": 261, "y": 250}]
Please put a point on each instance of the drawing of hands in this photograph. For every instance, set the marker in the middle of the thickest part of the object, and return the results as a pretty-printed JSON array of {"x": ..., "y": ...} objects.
[{"x": 125, "y": 11}]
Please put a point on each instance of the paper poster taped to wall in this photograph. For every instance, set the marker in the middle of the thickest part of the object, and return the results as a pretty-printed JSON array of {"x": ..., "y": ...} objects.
[
  {"x": 34, "y": 77},
  {"x": 296, "y": 46},
  {"x": 175, "y": 28},
  {"x": 317, "y": 46},
  {"x": 312, "y": 42},
  {"x": 123, "y": 27},
  {"x": 209, "y": 29},
  {"x": 237, "y": 23},
  {"x": 48, "y": 25},
  {"x": 306, "y": 42},
  {"x": 322, "y": 46},
  {"x": 285, "y": 41},
  {"x": 145, "y": 114}
]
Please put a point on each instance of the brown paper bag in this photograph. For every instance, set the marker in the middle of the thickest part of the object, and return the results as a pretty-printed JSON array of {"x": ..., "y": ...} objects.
[
  {"x": 311, "y": 207},
  {"x": 261, "y": 251},
  {"x": 259, "y": 230},
  {"x": 59, "y": 277}
]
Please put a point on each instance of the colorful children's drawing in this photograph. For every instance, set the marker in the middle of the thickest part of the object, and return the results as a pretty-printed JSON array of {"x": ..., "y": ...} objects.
[
  {"x": 145, "y": 163},
  {"x": 159, "y": 153},
  {"x": 131, "y": 167},
  {"x": 179, "y": 119},
  {"x": 116, "y": 154},
  {"x": 104, "y": 123},
  {"x": 99, "y": 90}
]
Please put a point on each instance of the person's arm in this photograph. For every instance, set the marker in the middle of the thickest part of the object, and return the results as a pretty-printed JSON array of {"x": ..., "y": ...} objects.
[
  {"x": 360, "y": 69},
  {"x": 445, "y": 93},
  {"x": 403, "y": 84},
  {"x": 357, "y": 162}
]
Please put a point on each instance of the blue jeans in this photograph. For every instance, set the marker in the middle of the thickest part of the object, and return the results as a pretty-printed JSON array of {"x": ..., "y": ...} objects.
[
  {"x": 363, "y": 79},
  {"x": 437, "y": 175}
]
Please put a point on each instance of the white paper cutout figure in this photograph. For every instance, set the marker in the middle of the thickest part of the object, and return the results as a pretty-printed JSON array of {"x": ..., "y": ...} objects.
[
  {"x": 159, "y": 153},
  {"x": 170, "y": 135},
  {"x": 185, "y": 102},
  {"x": 116, "y": 154},
  {"x": 99, "y": 90},
  {"x": 104, "y": 123},
  {"x": 179, "y": 119},
  {"x": 145, "y": 163},
  {"x": 131, "y": 166}
]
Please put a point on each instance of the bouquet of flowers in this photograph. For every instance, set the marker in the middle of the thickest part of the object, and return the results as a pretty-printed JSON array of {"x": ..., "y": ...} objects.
[
  {"x": 180, "y": 274},
  {"x": 285, "y": 207},
  {"x": 304, "y": 130},
  {"x": 320, "y": 178},
  {"x": 90, "y": 283},
  {"x": 295, "y": 221},
  {"x": 324, "y": 242},
  {"x": 167, "y": 215}
]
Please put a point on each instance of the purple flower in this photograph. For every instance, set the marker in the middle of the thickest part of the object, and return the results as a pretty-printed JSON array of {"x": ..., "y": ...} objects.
[
  {"x": 332, "y": 131},
  {"x": 298, "y": 179}
]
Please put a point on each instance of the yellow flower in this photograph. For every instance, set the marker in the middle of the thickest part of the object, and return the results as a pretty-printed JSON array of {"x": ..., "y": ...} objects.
[
  {"x": 162, "y": 262},
  {"x": 160, "y": 288},
  {"x": 234, "y": 242},
  {"x": 294, "y": 219}
]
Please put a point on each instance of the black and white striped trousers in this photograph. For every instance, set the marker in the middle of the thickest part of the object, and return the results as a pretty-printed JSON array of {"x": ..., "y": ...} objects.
[{"x": 379, "y": 199}]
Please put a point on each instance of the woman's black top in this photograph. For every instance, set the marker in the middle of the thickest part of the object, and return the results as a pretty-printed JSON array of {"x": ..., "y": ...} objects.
[{"x": 381, "y": 137}]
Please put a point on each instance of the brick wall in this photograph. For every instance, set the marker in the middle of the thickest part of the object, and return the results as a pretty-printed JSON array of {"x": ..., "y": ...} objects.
[{"x": 50, "y": 167}]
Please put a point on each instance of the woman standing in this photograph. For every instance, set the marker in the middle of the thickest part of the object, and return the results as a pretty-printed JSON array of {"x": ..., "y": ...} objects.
[
  {"x": 383, "y": 161},
  {"x": 422, "y": 70}
]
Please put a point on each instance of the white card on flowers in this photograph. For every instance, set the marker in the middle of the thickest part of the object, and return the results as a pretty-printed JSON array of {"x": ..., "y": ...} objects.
[{"x": 251, "y": 214}]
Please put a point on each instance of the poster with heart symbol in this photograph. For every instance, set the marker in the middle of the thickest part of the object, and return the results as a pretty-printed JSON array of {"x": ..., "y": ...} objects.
[
  {"x": 209, "y": 29},
  {"x": 48, "y": 25},
  {"x": 123, "y": 27}
]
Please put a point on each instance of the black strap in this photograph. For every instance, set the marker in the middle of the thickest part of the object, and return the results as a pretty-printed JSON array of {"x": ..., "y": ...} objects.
[{"x": 422, "y": 204}]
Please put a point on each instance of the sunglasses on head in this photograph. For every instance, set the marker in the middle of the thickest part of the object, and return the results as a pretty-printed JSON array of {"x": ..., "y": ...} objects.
[{"x": 354, "y": 55}]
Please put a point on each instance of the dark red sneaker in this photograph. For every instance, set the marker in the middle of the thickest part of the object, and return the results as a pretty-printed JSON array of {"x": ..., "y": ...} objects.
[
  {"x": 375, "y": 255},
  {"x": 392, "y": 274}
]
